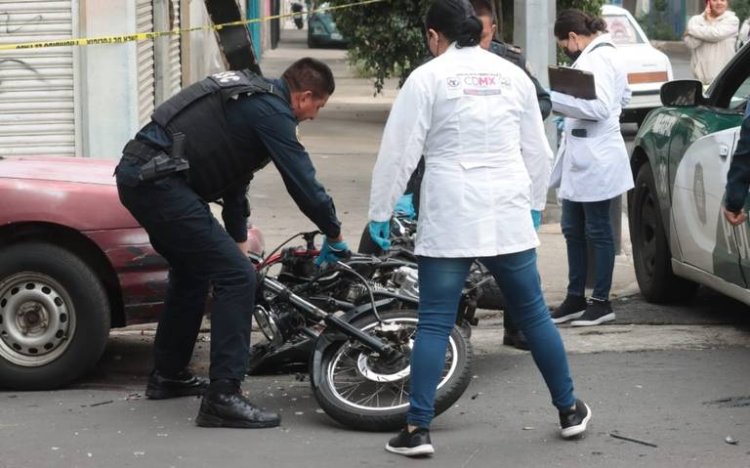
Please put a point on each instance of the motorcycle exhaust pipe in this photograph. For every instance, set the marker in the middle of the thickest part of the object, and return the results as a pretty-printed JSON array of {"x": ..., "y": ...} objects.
[{"x": 385, "y": 350}]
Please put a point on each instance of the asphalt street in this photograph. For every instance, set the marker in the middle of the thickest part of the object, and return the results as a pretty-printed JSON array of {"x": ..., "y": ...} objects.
[{"x": 676, "y": 408}]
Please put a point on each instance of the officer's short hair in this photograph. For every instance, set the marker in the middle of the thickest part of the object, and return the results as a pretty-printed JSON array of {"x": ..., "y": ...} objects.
[
  {"x": 483, "y": 8},
  {"x": 309, "y": 74}
]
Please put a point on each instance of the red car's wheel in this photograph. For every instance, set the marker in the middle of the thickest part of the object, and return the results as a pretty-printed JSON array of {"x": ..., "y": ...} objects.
[{"x": 54, "y": 317}]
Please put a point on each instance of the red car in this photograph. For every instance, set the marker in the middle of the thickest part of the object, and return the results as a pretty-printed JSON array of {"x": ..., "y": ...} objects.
[{"x": 73, "y": 264}]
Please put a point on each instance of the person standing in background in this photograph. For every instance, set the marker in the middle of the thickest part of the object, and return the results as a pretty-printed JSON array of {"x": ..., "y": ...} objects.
[
  {"x": 592, "y": 167},
  {"x": 711, "y": 38}
]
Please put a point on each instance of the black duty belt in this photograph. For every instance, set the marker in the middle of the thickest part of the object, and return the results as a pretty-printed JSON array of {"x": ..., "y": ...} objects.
[{"x": 156, "y": 163}]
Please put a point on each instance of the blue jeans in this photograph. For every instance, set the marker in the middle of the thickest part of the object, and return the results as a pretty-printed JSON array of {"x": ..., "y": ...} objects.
[
  {"x": 588, "y": 223},
  {"x": 440, "y": 284}
]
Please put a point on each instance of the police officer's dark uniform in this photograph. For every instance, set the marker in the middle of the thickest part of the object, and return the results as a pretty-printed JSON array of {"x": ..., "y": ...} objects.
[
  {"x": 738, "y": 177},
  {"x": 234, "y": 123}
]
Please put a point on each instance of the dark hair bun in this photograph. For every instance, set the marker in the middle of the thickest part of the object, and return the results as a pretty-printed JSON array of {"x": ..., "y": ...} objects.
[
  {"x": 470, "y": 32},
  {"x": 596, "y": 24}
]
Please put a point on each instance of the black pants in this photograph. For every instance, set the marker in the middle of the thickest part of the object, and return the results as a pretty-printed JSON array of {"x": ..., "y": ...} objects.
[{"x": 200, "y": 252}]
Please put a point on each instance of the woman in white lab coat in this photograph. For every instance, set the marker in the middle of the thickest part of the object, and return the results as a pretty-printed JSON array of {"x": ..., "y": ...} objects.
[
  {"x": 592, "y": 166},
  {"x": 475, "y": 118}
]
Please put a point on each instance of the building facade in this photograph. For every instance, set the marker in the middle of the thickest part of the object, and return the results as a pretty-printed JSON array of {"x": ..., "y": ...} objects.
[{"x": 88, "y": 101}]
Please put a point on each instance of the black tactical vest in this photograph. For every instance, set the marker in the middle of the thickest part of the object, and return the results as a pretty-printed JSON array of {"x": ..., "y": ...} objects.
[
  {"x": 198, "y": 111},
  {"x": 509, "y": 52}
]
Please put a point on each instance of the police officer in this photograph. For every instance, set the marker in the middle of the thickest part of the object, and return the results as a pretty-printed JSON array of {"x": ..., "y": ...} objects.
[
  {"x": 512, "y": 336},
  {"x": 738, "y": 177},
  {"x": 202, "y": 145}
]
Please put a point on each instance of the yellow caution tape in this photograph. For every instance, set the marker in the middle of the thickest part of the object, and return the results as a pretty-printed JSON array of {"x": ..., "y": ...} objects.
[{"x": 83, "y": 41}]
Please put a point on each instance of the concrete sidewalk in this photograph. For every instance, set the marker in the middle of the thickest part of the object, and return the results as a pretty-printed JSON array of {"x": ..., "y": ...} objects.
[{"x": 344, "y": 142}]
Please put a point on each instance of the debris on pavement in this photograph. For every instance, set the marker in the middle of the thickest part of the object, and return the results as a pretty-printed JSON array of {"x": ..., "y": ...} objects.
[{"x": 629, "y": 439}]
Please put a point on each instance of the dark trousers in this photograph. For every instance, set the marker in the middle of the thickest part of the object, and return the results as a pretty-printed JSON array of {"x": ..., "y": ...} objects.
[
  {"x": 585, "y": 224},
  {"x": 200, "y": 253}
]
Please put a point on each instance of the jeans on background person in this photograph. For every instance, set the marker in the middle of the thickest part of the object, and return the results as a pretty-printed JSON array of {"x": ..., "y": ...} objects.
[
  {"x": 588, "y": 223},
  {"x": 441, "y": 280}
]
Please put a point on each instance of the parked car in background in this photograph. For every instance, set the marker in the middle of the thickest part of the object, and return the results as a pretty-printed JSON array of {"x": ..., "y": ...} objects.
[
  {"x": 648, "y": 68},
  {"x": 680, "y": 161},
  {"x": 73, "y": 264},
  {"x": 322, "y": 31}
]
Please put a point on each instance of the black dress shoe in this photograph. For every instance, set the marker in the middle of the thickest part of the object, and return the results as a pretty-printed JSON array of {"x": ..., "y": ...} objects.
[
  {"x": 220, "y": 409},
  {"x": 516, "y": 339},
  {"x": 183, "y": 384}
]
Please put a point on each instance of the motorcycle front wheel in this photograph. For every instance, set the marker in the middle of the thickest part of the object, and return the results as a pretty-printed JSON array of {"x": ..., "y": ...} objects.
[{"x": 358, "y": 389}]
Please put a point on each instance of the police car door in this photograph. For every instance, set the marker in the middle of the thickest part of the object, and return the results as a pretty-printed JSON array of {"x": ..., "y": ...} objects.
[{"x": 709, "y": 247}]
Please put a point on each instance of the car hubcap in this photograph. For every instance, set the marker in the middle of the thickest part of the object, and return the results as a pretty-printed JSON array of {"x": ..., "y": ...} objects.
[{"x": 36, "y": 319}]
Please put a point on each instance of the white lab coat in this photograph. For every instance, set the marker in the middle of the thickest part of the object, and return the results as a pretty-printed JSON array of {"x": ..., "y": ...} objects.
[
  {"x": 470, "y": 113},
  {"x": 595, "y": 167},
  {"x": 712, "y": 44}
]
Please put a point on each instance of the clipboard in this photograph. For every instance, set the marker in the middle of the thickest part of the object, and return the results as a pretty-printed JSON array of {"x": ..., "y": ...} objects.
[{"x": 573, "y": 82}]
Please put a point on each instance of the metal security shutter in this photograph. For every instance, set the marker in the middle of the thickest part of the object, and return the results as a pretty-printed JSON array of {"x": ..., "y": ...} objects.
[
  {"x": 145, "y": 50},
  {"x": 37, "y": 87},
  {"x": 174, "y": 69}
]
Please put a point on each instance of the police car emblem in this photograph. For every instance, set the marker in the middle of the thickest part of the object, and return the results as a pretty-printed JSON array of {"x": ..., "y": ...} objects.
[{"x": 226, "y": 77}]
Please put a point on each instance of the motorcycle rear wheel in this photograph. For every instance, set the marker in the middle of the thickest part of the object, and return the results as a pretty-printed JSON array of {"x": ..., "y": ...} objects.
[{"x": 360, "y": 392}]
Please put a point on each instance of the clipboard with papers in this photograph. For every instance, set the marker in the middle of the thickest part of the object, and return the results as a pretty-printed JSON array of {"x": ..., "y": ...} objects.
[{"x": 573, "y": 82}]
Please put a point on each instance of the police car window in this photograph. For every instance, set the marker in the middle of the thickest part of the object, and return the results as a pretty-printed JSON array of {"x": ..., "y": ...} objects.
[
  {"x": 622, "y": 30},
  {"x": 740, "y": 97}
]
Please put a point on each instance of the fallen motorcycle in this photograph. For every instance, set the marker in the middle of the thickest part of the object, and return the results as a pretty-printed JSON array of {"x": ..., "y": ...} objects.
[
  {"x": 355, "y": 327},
  {"x": 403, "y": 234}
]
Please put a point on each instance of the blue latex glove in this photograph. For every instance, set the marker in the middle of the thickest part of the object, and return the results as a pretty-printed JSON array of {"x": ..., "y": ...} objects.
[
  {"x": 405, "y": 206},
  {"x": 331, "y": 252},
  {"x": 380, "y": 232},
  {"x": 536, "y": 218}
]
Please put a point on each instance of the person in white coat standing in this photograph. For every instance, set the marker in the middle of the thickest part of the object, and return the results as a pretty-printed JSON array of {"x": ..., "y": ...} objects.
[
  {"x": 475, "y": 118},
  {"x": 711, "y": 37},
  {"x": 592, "y": 166}
]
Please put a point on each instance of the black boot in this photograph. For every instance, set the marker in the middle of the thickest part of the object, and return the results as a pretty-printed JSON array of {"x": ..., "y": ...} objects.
[
  {"x": 183, "y": 384},
  {"x": 512, "y": 336},
  {"x": 224, "y": 405}
]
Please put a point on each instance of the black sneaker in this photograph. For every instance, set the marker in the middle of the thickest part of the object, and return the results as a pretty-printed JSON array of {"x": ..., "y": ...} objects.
[
  {"x": 184, "y": 383},
  {"x": 573, "y": 422},
  {"x": 597, "y": 313},
  {"x": 411, "y": 444},
  {"x": 570, "y": 309}
]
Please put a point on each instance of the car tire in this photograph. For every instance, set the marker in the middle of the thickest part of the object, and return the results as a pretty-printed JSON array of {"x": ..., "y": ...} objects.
[
  {"x": 652, "y": 256},
  {"x": 54, "y": 317}
]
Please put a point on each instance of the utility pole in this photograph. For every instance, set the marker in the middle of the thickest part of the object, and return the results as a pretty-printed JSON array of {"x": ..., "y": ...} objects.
[{"x": 533, "y": 26}]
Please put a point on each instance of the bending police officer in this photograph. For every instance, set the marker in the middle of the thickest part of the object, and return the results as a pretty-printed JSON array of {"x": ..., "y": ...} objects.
[{"x": 231, "y": 124}]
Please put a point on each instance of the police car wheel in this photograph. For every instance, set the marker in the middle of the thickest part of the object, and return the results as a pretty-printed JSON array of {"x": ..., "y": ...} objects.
[
  {"x": 652, "y": 256},
  {"x": 54, "y": 317}
]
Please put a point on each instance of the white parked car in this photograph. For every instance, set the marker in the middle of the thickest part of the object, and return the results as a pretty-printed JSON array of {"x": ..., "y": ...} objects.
[{"x": 648, "y": 68}]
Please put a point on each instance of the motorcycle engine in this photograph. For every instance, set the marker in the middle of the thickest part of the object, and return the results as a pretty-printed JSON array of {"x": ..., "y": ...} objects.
[
  {"x": 277, "y": 321},
  {"x": 407, "y": 281}
]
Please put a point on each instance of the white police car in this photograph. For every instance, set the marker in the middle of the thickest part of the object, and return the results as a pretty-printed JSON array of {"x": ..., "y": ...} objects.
[{"x": 680, "y": 161}]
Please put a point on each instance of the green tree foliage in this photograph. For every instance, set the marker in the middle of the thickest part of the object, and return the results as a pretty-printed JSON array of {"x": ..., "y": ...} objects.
[{"x": 387, "y": 38}]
